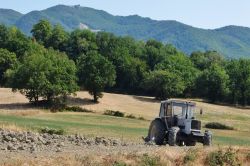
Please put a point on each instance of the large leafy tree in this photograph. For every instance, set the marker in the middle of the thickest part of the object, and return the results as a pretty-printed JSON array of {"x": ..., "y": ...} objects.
[
  {"x": 153, "y": 53},
  {"x": 213, "y": 83},
  {"x": 14, "y": 40},
  {"x": 44, "y": 73},
  {"x": 164, "y": 84},
  {"x": 239, "y": 72},
  {"x": 58, "y": 38},
  {"x": 7, "y": 61},
  {"x": 203, "y": 60},
  {"x": 95, "y": 73},
  {"x": 42, "y": 32},
  {"x": 81, "y": 42},
  {"x": 182, "y": 66}
]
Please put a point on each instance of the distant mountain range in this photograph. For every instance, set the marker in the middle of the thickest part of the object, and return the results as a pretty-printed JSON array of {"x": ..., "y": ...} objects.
[{"x": 231, "y": 41}]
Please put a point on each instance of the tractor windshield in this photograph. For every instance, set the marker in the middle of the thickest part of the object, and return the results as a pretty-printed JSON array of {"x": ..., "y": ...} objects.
[
  {"x": 179, "y": 109},
  {"x": 184, "y": 110}
]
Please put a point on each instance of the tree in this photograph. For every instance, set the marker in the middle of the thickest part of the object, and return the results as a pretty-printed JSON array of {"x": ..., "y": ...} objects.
[
  {"x": 213, "y": 83},
  {"x": 14, "y": 40},
  {"x": 81, "y": 42},
  {"x": 58, "y": 38},
  {"x": 163, "y": 84},
  {"x": 95, "y": 72},
  {"x": 182, "y": 66},
  {"x": 42, "y": 32},
  {"x": 130, "y": 73},
  {"x": 204, "y": 60},
  {"x": 153, "y": 52},
  {"x": 44, "y": 73},
  {"x": 7, "y": 61}
]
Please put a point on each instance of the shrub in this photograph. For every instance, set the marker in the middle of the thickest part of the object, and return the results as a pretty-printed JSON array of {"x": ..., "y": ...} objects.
[
  {"x": 77, "y": 109},
  {"x": 216, "y": 125},
  {"x": 119, "y": 163},
  {"x": 190, "y": 156},
  {"x": 131, "y": 116},
  {"x": 114, "y": 113},
  {"x": 248, "y": 157},
  {"x": 52, "y": 131},
  {"x": 221, "y": 158},
  {"x": 141, "y": 118},
  {"x": 150, "y": 160}
]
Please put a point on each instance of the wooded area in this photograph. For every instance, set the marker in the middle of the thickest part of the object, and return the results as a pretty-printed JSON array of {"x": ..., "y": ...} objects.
[{"x": 53, "y": 63}]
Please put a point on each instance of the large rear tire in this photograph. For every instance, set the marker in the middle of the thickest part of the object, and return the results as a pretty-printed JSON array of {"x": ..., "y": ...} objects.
[
  {"x": 173, "y": 136},
  {"x": 157, "y": 132},
  {"x": 207, "y": 140}
]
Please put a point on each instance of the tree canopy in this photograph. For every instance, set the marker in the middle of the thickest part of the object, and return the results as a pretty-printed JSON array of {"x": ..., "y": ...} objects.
[
  {"x": 44, "y": 73},
  {"x": 95, "y": 73}
]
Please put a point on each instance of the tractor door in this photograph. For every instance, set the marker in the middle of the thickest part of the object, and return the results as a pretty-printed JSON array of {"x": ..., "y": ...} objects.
[{"x": 166, "y": 114}]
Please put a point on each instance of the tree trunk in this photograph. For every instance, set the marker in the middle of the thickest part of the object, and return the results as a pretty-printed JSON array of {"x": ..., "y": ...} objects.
[{"x": 95, "y": 97}]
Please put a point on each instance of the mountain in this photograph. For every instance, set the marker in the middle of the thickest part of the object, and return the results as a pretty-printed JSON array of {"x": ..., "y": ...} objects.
[
  {"x": 231, "y": 41},
  {"x": 9, "y": 17}
]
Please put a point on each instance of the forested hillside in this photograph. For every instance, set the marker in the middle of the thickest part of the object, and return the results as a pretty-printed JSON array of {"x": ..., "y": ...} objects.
[
  {"x": 231, "y": 41},
  {"x": 54, "y": 63}
]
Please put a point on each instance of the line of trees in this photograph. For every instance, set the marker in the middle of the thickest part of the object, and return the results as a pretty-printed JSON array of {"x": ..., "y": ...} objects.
[{"x": 54, "y": 63}]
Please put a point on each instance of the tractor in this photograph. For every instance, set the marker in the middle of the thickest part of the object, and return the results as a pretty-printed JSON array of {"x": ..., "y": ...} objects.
[{"x": 177, "y": 126}]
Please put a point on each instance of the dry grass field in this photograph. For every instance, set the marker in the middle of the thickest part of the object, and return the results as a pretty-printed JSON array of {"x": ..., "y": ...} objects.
[
  {"x": 15, "y": 111},
  {"x": 18, "y": 115}
]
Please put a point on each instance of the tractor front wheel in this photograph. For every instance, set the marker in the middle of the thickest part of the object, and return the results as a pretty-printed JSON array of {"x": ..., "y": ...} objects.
[
  {"x": 172, "y": 136},
  {"x": 207, "y": 140}
]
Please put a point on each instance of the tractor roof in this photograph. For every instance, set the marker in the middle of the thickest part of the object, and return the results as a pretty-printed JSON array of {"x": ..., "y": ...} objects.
[{"x": 178, "y": 101}]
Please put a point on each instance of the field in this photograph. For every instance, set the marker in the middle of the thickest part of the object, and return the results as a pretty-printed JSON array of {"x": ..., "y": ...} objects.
[
  {"x": 18, "y": 115},
  {"x": 15, "y": 111}
]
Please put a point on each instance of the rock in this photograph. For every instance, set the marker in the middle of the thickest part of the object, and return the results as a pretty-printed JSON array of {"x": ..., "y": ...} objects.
[
  {"x": 11, "y": 147},
  {"x": 58, "y": 150},
  {"x": 48, "y": 142},
  {"x": 61, "y": 144},
  {"x": 3, "y": 148},
  {"x": 21, "y": 148},
  {"x": 14, "y": 140},
  {"x": 33, "y": 148}
]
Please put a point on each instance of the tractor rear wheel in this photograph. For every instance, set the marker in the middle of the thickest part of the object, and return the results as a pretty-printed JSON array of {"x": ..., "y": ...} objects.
[
  {"x": 157, "y": 132},
  {"x": 172, "y": 136},
  {"x": 207, "y": 140}
]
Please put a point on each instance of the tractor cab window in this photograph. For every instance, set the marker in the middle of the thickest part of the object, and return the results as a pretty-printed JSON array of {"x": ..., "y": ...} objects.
[
  {"x": 168, "y": 109},
  {"x": 179, "y": 109},
  {"x": 190, "y": 111}
]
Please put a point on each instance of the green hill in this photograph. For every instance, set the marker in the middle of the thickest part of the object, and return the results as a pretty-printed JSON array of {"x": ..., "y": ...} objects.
[
  {"x": 9, "y": 17},
  {"x": 231, "y": 41}
]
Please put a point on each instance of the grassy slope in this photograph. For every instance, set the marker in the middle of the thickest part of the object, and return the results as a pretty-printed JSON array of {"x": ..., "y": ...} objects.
[{"x": 14, "y": 111}]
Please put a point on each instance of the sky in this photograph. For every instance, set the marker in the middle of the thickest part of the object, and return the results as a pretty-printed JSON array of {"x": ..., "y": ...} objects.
[{"x": 208, "y": 14}]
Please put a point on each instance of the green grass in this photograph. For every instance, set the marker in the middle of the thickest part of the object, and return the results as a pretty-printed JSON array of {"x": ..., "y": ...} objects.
[
  {"x": 93, "y": 124},
  {"x": 86, "y": 124}
]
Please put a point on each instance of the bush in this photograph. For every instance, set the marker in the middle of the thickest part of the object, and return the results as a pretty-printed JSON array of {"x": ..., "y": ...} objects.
[
  {"x": 131, "y": 116},
  {"x": 119, "y": 164},
  {"x": 141, "y": 118},
  {"x": 216, "y": 125},
  {"x": 114, "y": 113},
  {"x": 52, "y": 131},
  {"x": 190, "y": 156},
  {"x": 221, "y": 158},
  {"x": 150, "y": 160},
  {"x": 77, "y": 109},
  {"x": 248, "y": 157}
]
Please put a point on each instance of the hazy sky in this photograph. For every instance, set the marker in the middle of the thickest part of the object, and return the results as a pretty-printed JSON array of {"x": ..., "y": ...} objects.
[{"x": 199, "y": 13}]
